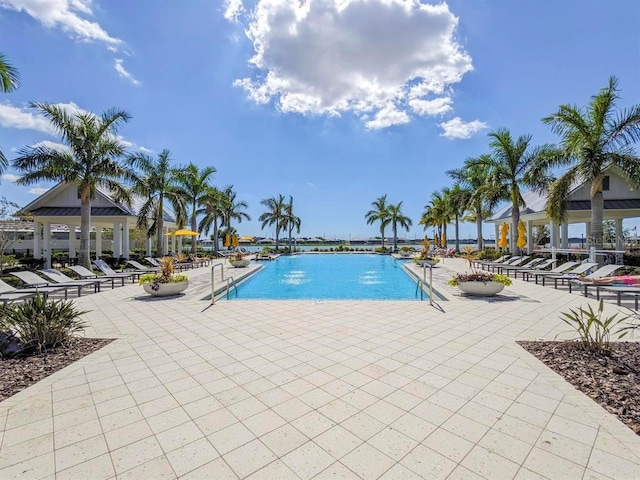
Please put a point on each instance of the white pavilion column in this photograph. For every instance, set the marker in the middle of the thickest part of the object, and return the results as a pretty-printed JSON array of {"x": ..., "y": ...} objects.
[
  {"x": 72, "y": 240},
  {"x": 125, "y": 239},
  {"x": 619, "y": 239},
  {"x": 46, "y": 244},
  {"x": 117, "y": 249},
  {"x": 148, "y": 246},
  {"x": 173, "y": 244},
  {"x": 37, "y": 240},
  {"x": 98, "y": 242},
  {"x": 165, "y": 240},
  {"x": 587, "y": 234},
  {"x": 529, "y": 237},
  {"x": 564, "y": 235},
  {"x": 179, "y": 244},
  {"x": 553, "y": 227},
  {"x": 497, "y": 228}
]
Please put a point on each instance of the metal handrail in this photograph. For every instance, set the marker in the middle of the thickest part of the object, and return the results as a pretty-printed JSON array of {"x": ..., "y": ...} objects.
[
  {"x": 231, "y": 283},
  {"x": 213, "y": 289}
]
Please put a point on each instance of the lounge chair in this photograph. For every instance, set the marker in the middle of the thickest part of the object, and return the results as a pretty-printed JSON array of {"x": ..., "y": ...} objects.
[
  {"x": 107, "y": 270},
  {"x": 522, "y": 266},
  {"x": 511, "y": 265},
  {"x": 507, "y": 261},
  {"x": 581, "y": 269},
  {"x": 59, "y": 277},
  {"x": 620, "y": 290},
  {"x": 605, "y": 271},
  {"x": 87, "y": 274},
  {"x": 31, "y": 280},
  {"x": 12, "y": 294},
  {"x": 501, "y": 259},
  {"x": 141, "y": 268},
  {"x": 540, "y": 267},
  {"x": 554, "y": 271}
]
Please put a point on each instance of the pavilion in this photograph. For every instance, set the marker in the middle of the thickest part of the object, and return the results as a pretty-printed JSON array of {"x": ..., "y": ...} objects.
[
  {"x": 621, "y": 201},
  {"x": 61, "y": 205}
]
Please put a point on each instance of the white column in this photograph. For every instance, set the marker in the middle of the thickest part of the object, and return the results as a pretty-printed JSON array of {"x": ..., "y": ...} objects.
[
  {"x": 173, "y": 244},
  {"x": 165, "y": 240},
  {"x": 125, "y": 239},
  {"x": 46, "y": 244},
  {"x": 554, "y": 235},
  {"x": 117, "y": 249},
  {"x": 37, "y": 239},
  {"x": 72, "y": 241},
  {"x": 564, "y": 236},
  {"x": 98, "y": 242},
  {"x": 497, "y": 228},
  {"x": 529, "y": 237},
  {"x": 148, "y": 246},
  {"x": 587, "y": 226},
  {"x": 619, "y": 239},
  {"x": 179, "y": 244}
]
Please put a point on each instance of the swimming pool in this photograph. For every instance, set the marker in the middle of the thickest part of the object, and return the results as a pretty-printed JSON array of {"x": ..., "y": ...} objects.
[{"x": 327, "y": 276}]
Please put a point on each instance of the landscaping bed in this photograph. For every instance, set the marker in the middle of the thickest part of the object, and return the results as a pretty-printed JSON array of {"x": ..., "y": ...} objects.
[
  {"x": 16, "y": 374},
  {"x": 612, "y": 380}
]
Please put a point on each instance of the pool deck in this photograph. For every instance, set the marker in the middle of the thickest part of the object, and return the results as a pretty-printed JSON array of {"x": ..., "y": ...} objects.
[{"x": 306, "y": 389}]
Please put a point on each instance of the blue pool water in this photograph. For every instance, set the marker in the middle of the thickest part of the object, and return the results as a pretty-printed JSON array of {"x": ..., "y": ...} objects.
[{"x": 326, "y": 276}]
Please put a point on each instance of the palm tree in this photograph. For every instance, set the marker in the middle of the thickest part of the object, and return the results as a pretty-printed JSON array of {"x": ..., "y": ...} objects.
[
  {"x": 593, "y": 139},
  {"x": 9, "y": 81},
  {"x": 212, "y": 211},
  {"x": 437, "y": 214},
  {"x": 514, "y": 164},
  {"x": 194, "y": 185},
  {"x": 380, "y": 214},
  {"x": 457, "y": 198},
  {"x": 232, "y": 209},
  {"x": 274, "y": 215},
  {"x": 290, "y": 220},
  {"x": 157, "y": 183},
  {"x": 89, "y": 161},
  {"x": 397, "y": 217},
  {"x": 473, "y": 176}
]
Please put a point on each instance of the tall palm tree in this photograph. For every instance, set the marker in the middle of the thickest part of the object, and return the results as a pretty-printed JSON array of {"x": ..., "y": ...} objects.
[
  {"x": 9, "y": 81},
  {"x": 396, "y": 217},
  {"x": 274, "y": 215},
  {"x": 474, "y": 177},
  {"x": 232, "y": 209},
  {"x": 379, "y": 213},
  {"x": 437, "y": 214},
  {"x": 513, "y": 165},
  {"x": 290, "y": 220},
  {"x": 158, "y": 183},
  {"x": 91, "y": 159},
  {"x": 213, "y": 215},
  {"x": 194, "y": 185},
  {"x": 457, "y": 198},
  {"x": 593, "y": 139}
]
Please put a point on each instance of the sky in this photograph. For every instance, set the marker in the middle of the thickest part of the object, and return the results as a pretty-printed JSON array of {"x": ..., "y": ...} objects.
[{"x": 334, "y": 102}]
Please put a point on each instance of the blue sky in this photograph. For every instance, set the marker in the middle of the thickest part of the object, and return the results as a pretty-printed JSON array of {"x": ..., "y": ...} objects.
[{"x": 336, "y": 104}]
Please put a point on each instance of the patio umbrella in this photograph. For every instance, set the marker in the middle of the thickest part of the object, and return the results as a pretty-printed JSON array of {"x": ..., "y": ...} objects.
[
  {"x": 436, "y": 239},
  {"x": 227, "y": 240},
  {"x": 522, "y": 235},
  {"x": 184, "y": 233},
  {"x": 246, "y": 239},
  {"x": 234, "y": 241},
  {"x": 443, "y": 242},
  {"x": 426, "y": 242},
  {"x": 504, "y": 228}
]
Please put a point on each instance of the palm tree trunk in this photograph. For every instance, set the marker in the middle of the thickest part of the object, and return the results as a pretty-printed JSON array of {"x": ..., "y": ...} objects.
[
  {"x": 395, "y": 237},
  {"x": 290, "y": 250},
  {"x": 160, "y": 232},
  {"x": 193, "y": 228},
  {"x": 382, "y": 236},
  {"x": 85, "y": 227},
  {"x": 215, "y": 234},
  {"x": 277, "y": 237},
  {"x": 515, "y": 220},
  {"x": 597, "y": 209},
  {"x": 479, "y": 227},
  {"x": 457, "y": 234}
]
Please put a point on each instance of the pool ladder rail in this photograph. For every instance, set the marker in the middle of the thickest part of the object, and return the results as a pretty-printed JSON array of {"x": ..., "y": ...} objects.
[
  {"x": 230, "y": 281},
  {"x": 422, "y": 282}
]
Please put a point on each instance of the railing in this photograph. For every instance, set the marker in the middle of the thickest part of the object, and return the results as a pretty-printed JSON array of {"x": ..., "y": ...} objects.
[
  {"x": 423, "y": 282},
  {"x": 231, "y": 283},
  {"x": 609, "y": 256},
  {"x": 213, "y": 288}
]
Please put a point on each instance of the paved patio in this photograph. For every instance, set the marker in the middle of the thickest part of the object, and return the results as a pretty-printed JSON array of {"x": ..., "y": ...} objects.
[{"x": 303, "y": 389}]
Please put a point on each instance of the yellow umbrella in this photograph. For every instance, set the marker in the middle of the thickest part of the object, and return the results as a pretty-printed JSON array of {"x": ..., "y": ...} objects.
[
  {"x": 503, "y": 235},
  {"x": 246, "y": 239},
  {"x": 227, "y": 240},
  {"x": 522, "y": 235},
  {"x": 426, "y": 242},
  {"x": 436, "y": 239},
  {"x": 444, "y": 240},
  {"x": 184, "y": 233},
  {"x": 234, "y": 241}
]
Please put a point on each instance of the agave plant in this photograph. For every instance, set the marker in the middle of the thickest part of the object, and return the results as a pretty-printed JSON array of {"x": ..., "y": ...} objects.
[{"x": 166, "y": 275}]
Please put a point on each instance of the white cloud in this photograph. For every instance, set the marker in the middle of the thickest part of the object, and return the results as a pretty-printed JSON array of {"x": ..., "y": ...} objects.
[
  {"x": 70, "y": 15},
  {"x": 23, "y": 119},
  {"x": 124, "y": 74},
  {"x": 372, "y": 58},
  {"x": 387, "y": 117},
  {"x": 52, "y": 145},
  {"x": 233, "y": 9},
  {"x": 37, "y": 190},
  {"x": 10, "y": 177},
  {"x": 437, "y": 106},
  {"x": 145, "y": 150},
  {"x": 458, "y": 128}
]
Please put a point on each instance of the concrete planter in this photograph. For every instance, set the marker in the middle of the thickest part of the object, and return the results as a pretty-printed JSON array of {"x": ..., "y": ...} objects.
[
  {"x": 426, "y": 262},
  {"x": 481, "y": 289},
  {"x": 240, "y": 263},
  {"x": 166, "y": 289}
]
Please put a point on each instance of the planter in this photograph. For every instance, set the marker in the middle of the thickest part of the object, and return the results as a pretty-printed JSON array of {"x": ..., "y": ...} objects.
[
  {"x": 166, "y": 289},
  {"x": 240, "y": 263},
  {"x": 426, "y": 262},
  {"x": 483, "y": 289}
]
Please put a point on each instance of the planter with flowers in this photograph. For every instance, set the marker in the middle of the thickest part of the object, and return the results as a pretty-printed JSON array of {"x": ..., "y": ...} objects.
[
  {"x": 164, "y": 283},
  {"x": 479, "y": 283},
  {"x": 238, "y": 260},
  {"x": 424, "y": 258}
]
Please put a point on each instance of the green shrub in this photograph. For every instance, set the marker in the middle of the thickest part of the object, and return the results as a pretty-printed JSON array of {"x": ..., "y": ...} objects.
[{"x": 40, "y": 323}]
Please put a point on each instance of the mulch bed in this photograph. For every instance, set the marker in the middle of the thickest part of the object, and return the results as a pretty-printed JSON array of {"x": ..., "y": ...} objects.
[
  {"x": 611, "y": 380},
  {"x": 16, "y": 374}
]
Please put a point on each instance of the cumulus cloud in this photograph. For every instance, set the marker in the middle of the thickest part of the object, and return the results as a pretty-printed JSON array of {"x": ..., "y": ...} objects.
[
  {"x": 124, "y": 74},
  {"x": 233, "y": 9},
  {"x": 458, "y": 128},
  {"x": 380, "y": 59},
  {"x": 37, "y": 190},
  {"x": 24, "y": 119},
  {"x": 52, "y": 145},
  {"x": 69, "y": 15},
  {"x": 10, "y": 177},
  {"x": 145, "y": 150}
]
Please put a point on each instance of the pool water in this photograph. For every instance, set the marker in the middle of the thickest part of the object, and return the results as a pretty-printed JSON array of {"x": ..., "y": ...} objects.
[{"x": 327, "y": 276}]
